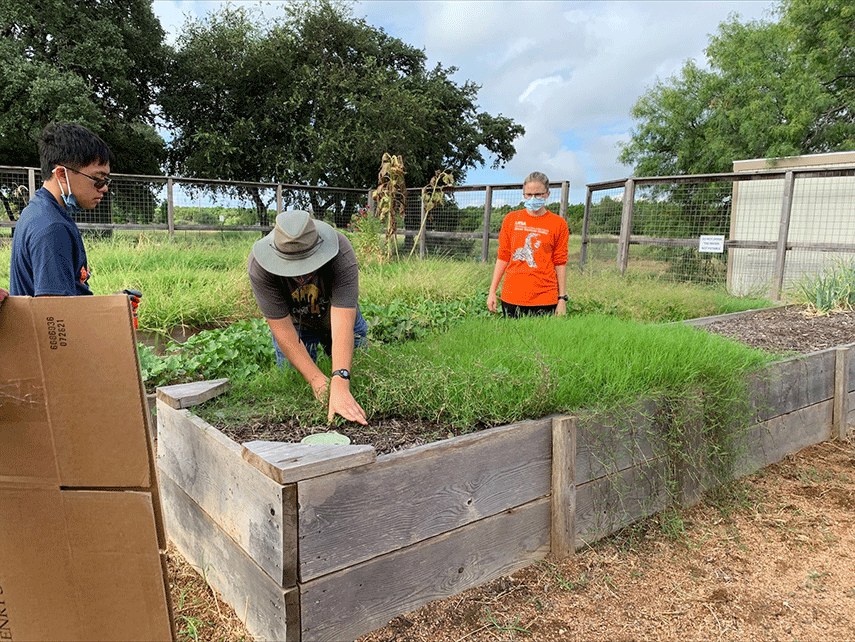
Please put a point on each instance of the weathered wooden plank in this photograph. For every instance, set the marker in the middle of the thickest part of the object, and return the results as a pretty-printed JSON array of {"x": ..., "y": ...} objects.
[
  {"x": 419, "y": 493},
  {"x": 185, "y": 395},
  {"x": 268, "y": 611},
  {"x": 359, "y": 599},
  {"x": 258, "y": 513},
  {"x": 851, "y": 414},
  {"x": 840, "y": 426},
  {"x": 609, "y": 503},
  {"x": 690, "y": 459},
  {"x": 791, "y": 384},
  {"x": 608, "y": 442},
  {"x": 850, "y": 347},
  {"x": 563, "y": 486},
  {"x": 770, "y": 441},
  {"x": 286, "y": 463}
]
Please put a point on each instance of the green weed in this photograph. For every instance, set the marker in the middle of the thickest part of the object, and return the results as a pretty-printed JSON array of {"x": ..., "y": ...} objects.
[
  {"x": 671, "y": 523},
  {"x": 578, "y": 584},
  {"x": 816, "y": 580},
  {"x": 505, "y": 628},
  {"x": 191, "y": 627}
]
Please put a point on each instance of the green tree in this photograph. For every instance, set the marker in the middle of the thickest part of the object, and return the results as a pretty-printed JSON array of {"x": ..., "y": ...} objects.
[
  {"x": 317, "y": 98},
  {"x": 96, "y": 63},
  {"x": 771, "y": 90},
  {"x": 823, "y": 34}
]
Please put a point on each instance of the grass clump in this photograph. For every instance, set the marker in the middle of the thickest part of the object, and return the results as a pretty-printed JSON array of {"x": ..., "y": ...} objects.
[
  {"x": 833, "y": 289},
  {"x": 491, "y": 371}
]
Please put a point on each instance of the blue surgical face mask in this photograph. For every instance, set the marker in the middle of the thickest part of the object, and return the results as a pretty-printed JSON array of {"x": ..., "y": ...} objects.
[
  {"x": 534, "y": 203},
  {"x": 69, "y": 199}
]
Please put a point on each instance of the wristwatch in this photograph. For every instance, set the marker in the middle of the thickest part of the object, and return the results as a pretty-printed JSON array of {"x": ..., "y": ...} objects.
[
  {"x": 563, "y": 297},
  {"x": 343, "y": 373}
]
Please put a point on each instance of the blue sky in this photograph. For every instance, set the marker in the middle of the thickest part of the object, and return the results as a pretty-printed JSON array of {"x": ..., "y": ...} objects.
[{"x": 569, "y": 72}]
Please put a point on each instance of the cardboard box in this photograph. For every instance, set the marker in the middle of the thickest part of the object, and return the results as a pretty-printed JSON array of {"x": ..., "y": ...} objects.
[{"x": 82, "y": 543}]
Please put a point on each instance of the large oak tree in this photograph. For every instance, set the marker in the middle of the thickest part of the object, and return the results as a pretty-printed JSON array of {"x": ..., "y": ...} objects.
[
  {"x": 96, "y": 63},
  {"x": 316, "y": 98}
]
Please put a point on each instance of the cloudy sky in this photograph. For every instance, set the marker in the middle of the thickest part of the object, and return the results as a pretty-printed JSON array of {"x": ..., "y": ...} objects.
[{"x": 569, "y": 72}]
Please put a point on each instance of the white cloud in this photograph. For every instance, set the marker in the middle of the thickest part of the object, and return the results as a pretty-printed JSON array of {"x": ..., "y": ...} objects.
[
  {"x": 539, "y": 88},
  {"x": 568, "y": 71}
]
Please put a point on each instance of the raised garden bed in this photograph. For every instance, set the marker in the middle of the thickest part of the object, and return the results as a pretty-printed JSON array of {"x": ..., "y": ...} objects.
[{"x": 331, "y": 542}]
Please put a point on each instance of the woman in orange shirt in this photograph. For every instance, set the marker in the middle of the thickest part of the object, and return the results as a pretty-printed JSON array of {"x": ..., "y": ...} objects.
[{"x": 532, "y": 256}]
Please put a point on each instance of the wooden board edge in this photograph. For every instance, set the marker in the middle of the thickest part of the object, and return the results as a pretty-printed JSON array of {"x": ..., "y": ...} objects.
[{"x": 186, "y": 395}]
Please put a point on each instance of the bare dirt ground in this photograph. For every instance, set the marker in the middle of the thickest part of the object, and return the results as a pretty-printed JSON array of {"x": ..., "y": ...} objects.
[{"x": 769, "y": 557}]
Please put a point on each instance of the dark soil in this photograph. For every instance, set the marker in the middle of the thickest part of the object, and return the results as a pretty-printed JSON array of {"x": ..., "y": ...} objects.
[
  {"x": 789, "y": 329},
  {"x": 386, "y": 435}
]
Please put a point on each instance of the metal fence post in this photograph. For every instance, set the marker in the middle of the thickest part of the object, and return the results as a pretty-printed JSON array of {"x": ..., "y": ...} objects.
[
  {"x": 488, "y": 211},
  {"x": 278, "y": 199},
  {"x": 31, "y": 179},
  {"x": 170, "y": 208},
  {"x": 625, "y": 225},
  {"x": 783, "y": 234}
]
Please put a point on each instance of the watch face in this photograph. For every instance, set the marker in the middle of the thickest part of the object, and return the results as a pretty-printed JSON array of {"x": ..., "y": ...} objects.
[{"x": 344, "y": 374}]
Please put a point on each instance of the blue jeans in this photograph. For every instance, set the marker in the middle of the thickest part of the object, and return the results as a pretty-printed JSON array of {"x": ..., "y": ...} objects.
[{"x": 312, "y": 339}]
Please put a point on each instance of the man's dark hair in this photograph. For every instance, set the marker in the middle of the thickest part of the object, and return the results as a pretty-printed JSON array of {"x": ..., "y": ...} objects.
[{"x": 71, "y": 145}]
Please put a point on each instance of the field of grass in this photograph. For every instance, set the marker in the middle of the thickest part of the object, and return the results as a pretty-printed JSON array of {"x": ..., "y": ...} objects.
[{"x": 199, "y": 280}]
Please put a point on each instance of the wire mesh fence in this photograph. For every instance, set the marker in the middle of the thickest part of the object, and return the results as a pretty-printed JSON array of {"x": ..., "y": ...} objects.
[
  {"x": 15, "y": 191},
  {"x": 466, "y": 224},
  {"x": 769, "y": 230},
  {"x": 773, "y": 227}
]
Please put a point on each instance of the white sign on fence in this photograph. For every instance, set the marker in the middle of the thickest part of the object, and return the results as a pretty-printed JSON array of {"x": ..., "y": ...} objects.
[{"x": 711, "y": 243}]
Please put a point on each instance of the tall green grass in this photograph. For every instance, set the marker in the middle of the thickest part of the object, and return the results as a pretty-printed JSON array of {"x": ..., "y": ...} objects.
[
  {"x": 489, "y": 371},
  {"x": 201, "y": 281}
]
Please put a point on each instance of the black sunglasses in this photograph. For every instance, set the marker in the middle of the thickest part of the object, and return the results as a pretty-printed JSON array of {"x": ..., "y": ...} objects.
[{"x": 98, "y": 182}]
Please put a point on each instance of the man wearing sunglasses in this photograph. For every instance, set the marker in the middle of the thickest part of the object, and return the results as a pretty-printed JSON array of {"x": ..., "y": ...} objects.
[{"x": 48, "y": 256}]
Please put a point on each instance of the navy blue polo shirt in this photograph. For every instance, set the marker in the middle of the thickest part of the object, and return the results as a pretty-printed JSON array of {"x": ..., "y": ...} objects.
[{"x": 48, "y": 257}]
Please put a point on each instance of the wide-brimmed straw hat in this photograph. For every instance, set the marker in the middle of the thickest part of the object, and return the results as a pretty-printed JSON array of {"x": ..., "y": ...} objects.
[{"x": 297, "y": 245}]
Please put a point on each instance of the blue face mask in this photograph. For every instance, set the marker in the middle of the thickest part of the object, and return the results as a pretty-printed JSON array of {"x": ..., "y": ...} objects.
[
  {"x": 534, "y": 203},
  {"x": 69, "y": 199}
]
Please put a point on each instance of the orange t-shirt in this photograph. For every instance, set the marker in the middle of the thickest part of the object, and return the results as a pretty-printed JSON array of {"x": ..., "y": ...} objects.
[{"x": 533, "y": 246}]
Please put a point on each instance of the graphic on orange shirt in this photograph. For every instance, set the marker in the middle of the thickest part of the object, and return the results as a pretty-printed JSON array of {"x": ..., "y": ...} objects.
[{"x": 526, "y": 252}]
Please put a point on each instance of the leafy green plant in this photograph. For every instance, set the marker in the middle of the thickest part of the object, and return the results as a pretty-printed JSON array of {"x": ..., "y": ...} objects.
[
  {"x": 399, "y": 321},
  {"x": 831, "y": 290},
  {"x": 238, "y": 351},
  {"x": 366, "y": 229}
]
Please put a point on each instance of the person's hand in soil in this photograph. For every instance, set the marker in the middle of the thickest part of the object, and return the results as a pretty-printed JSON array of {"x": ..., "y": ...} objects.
[{"x": 341, "y": 401}]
